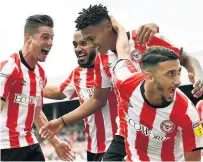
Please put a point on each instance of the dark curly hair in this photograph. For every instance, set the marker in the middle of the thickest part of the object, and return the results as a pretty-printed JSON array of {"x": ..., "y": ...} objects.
[
  {"x": 35, "y": 21},
  {"x": 91, "y": 16},
  {"x": 155, "y": 55}
]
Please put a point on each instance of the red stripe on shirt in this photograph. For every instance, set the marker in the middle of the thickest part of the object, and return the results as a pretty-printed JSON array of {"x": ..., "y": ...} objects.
[
  {"x": 31, "y": 109},
  {"x": 142, "y": 141},
  {"x": 13, "y": 109}
]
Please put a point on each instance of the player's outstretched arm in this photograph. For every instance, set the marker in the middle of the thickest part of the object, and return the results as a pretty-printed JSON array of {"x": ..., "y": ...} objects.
[
  {"x": 62, "y": 148},
  {"x": 53, "y": 92},
  {"x": 96, "y": 102}
]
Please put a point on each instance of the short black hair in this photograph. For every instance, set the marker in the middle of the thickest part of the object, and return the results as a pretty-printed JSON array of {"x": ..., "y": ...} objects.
[
  {"x": 155, "y": 55},
  {"x": 35, "y": 21},
  {"x": 91, "y": 16}
]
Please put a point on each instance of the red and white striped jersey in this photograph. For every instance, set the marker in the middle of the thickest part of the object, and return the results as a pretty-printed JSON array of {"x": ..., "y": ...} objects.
[
  {"x": 104, "y": 64},
  {"x": 21, "y": 89},
  {"x": 100, "y": 127},
  {"x": 199, "y": 107},
  {"x": 155, "y": 134}
]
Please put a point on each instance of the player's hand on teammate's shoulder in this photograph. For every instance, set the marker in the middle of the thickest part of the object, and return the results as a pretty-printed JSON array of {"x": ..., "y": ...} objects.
[
  {"x": 116, "y": 25},
  {"x": 146, "y": 32}
]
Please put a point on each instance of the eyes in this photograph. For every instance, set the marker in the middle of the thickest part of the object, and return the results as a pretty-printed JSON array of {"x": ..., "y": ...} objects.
[
  {"x": 173, "y": 73},
  {"x": 82, "y": 43},
  {"x": 47, "y": 37}
]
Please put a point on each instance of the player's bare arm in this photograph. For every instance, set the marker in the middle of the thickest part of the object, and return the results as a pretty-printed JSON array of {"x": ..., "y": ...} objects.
[
  {"x": 62, "y": 148},
  {"x": 122, "y": 45},
  {"x": 53, "y": 92},
  {"x": 2, "y": 105},
  {"x": 96, "y": 102},
  {"x": 193, "y": 156},
  {"x": 195, "y": 73}
]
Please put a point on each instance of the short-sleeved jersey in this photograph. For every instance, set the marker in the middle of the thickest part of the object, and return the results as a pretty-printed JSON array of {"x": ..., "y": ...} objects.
[
  {"x": 104, "y": 64},
  {"x": 100, "y": 127},
  {"x": 151, "y": 133},
  {"x": 199, "y": 107},
  {"x": 21, "y": 89}
]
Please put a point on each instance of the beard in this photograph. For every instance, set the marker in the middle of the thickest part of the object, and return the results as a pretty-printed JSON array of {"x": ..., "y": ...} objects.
[
  {"x": 89, "y": 63},
  {"x": 160, "y": 88}
]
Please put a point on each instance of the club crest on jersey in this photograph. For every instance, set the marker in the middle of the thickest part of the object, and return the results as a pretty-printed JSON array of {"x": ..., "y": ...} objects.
[
  {"x": 167, "y": 126},
  {"x": 135, "y": 55},
  {"x": 198, "y": 129}
]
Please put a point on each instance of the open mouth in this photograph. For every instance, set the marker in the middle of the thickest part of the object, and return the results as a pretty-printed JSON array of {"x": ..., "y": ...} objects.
[
  {"x": 81, "y": 56},
  {"x": 45, "y": 51},
  {"x": 172, "y": 92}
]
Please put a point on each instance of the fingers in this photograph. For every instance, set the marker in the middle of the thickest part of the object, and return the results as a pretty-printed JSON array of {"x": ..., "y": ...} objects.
[
  {"x": 139, "y": 32},
  {"x": 151, "y": 36},
  {"x": 145, "y": 33},
  {"x": 201, "y": 122},
  {"x": 145, "y": 39},
  {"x": 46, "y": 134},
  {"x": 141, "y": 35},
  {"x": 67, "y": 156},
  {"x": 198, "y": 89}
]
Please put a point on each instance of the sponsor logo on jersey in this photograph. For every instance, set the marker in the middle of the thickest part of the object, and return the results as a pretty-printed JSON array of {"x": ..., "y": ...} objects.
[
  {"x": 25, "y": 100},
  {"x": 139, "y": 127},
  {"x": 86, "y": 93},
  {"x": 167, "y": 126},
  {"x": 4, "y": 78},
  {"x": 198, "y": 129},
  {"x": 4, "y": 75}
]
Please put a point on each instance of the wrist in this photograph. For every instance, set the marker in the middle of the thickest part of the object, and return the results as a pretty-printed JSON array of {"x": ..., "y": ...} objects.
[
  {"x": 54, "y": 141},
  {"x": 63, "y": 122}
]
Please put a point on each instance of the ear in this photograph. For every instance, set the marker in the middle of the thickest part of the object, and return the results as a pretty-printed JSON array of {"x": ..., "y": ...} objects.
[
  {"x": 108, "y": 26},
  {"x": 28, "y": 38},
  {"x": 149, "y": 76}
]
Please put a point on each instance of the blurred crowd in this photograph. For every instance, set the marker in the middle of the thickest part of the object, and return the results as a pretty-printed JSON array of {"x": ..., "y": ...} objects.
[{"x": 75, "y": 136}]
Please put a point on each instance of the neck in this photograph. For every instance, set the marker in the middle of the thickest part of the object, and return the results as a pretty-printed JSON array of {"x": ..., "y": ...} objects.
[
  {"x": 113, "y": 36},
  {"x": 151, "y": 94},
  {"x": 29, "y": 57}
]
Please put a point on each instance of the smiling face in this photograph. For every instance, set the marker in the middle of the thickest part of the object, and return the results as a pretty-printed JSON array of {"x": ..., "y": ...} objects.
[
  {"x": 167, "y": 79},
  {"x": 99, "y": 36},
  {"x": 84, "y": 51},
  {"x": 40, "y": 43}
]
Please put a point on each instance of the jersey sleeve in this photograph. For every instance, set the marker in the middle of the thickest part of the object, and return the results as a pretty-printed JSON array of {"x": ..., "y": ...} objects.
[
  {"x": 101, "y": 78},
  {"x": 68, "y": 88},
  {"x": 125, "y": 70},
  {"x": 192, "y": 132},
  {"x": 160, "y": 40},
  {"x": 8, "y": 75}
]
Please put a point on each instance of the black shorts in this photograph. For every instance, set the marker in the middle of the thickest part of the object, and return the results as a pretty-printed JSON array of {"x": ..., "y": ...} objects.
[
  {"x": 116, "y": 151},
  {"x": 94, "y": 157},
  {"x": 28, "y": 153}
]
